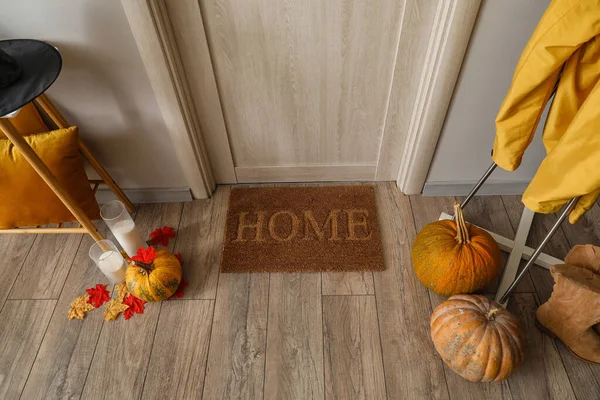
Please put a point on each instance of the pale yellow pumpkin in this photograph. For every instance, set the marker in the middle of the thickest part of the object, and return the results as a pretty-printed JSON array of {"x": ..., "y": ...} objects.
[
  {"x": 154, "y": 281},
  {"x": 477, "y": 338}
]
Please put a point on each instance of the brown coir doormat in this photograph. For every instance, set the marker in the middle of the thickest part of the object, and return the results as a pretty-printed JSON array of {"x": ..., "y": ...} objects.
[{"x": 302, "y": 229}]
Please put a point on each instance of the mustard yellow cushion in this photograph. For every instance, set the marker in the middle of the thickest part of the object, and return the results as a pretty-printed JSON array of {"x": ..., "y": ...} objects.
[
  {"x": 28, "y": 121},
  {"x": 25, "y": 199}
]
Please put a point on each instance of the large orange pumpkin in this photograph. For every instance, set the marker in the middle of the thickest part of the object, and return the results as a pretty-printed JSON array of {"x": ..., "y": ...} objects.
[
  {"x": 155, "y": 280},
  {"x": 477, "y": 338},
  {"x": 452, "y": 257}
]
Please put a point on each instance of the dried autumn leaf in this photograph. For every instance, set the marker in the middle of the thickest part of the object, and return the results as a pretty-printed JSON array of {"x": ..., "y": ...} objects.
[
  {"x": 113, "y": 308},
  {"x": 98, "y": 295},
  {"x": 135, "y": 306},
  {"x": 178, "y": 257},
  {"x": 122, "y": 290},
  {"x": 179, "y": 292},
  {"x": 162, "y": 235},
  {"x": 79, "y": 307},
  {"x": 145, "y": 255}
]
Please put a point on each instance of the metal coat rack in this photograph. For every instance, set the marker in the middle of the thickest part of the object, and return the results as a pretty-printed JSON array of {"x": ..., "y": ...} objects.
[{"x": 516, "y": 248}]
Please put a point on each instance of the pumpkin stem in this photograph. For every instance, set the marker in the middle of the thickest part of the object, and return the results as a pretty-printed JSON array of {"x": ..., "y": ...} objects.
[
  {"x": 461, "y": 226},
  {"x": 491, "y": 314},
  {"x": 147, "y": 267}
]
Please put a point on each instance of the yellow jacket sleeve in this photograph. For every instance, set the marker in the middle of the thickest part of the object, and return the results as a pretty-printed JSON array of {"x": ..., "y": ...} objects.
[
  {"x": 572, "y": 168},
  {"x": 564, "y": 27},
  {"x": 579, "y": 77}
]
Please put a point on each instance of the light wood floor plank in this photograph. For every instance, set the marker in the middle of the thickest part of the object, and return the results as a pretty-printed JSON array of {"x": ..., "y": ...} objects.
[
  {"x": 14, "y": 250},
  {"x": 200, "y": 242},
  {"x": 542, "y": 375},
  {"x": 22, "y": 327},
  {"x": 348, "y": 283},
  {"x": 120, "y": 361},
  {"x": 426, "y": 209},
  {"x": 289, "y": 360},
  {"x": 585, "y": 377},
  {"x": 403, "y": 307},
  {"x": 181, "y": 345},
  {"x": 586, "y": 231},
  {"x": 353, "y": 360},
  {"x": 66, "y": 352},
  {"x": 121, "y": 358},
  {"x": 236, "y": 362},
  {"x": 294, "y": 366},
  {"x": 44, "y": 272},
  {"x": 152, "y": 216}
]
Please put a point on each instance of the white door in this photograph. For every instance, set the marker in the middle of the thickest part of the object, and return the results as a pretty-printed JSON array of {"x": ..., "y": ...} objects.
[
  {"x": 300, "y": 90},
  {"x": 304, "y": 84}
]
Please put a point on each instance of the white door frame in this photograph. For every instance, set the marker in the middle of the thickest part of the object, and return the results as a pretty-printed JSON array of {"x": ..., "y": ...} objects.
[{"x": 413, "y": 139}]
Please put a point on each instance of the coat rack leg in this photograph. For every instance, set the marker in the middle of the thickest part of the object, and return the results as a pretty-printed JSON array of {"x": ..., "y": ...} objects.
[
  {"x": 512, "y": 265},
  {"x": 38, "y": 165},
  {"x": 44, "y": 102},
  {"x": 563, "y": 215}
]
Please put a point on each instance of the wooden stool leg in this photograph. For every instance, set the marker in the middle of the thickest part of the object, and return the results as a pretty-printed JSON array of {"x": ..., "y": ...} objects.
[
  {"x": 108, "y": 180},
  {"x": 38, "y": 165},
  {"x": 44, "y": 102}
]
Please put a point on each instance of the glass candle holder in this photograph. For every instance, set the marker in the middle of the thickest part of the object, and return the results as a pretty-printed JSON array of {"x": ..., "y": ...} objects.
[
  {"x": 121, "y": 225},
  {"x": 110, "y": 261}
]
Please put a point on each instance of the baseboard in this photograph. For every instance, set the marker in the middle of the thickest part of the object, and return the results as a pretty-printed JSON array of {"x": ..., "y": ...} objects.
[
  {"x": 307, "y": 173},
  {"x": 463, "y": 188},
  {"x": 148, "y": 195}
]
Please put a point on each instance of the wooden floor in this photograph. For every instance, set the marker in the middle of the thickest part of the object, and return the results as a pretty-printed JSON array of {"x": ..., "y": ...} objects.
[{"x": 266, "y": 336}]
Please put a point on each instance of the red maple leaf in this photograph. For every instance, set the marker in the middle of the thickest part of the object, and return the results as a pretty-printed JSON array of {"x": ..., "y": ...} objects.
[
  {"x": 179, "y": 292},
  {"x": 178, "y": 256},
  {"x": 145, "y": 255},
  {"x": 98, "y": 295},
  {"x": 162, "y": 235},
  {"x": 135, "y": 306}
]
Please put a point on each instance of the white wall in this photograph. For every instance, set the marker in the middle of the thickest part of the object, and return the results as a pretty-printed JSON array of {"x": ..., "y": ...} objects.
[
  {"x": 463, "y": 152},
  {"x": 103, "y": 87}
]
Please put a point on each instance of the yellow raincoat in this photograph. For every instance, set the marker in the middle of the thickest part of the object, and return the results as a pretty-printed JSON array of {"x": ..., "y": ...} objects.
[{"x": 566, "y": 39}]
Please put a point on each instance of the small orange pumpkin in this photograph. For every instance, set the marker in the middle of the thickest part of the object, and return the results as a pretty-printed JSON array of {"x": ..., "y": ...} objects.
[
  {"x": 477, "y": 338},
  {"x": 155, "y": 278},
  {"x": 452, "y": 257}
]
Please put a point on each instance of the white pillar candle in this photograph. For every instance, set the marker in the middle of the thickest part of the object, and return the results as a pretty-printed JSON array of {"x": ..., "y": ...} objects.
[
  {"x": 112, "y": 264},
  {"x": 122, "y": 226},
  {"x": 128, "y": 236}
]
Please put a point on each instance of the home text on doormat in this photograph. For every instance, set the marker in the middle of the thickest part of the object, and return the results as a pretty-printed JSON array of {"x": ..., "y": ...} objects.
[{"x": 302, "y": 229}]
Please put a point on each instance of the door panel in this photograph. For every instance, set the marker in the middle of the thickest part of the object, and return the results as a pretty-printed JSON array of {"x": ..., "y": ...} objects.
[
  {"x": 305, "y": 90},
  {"x": 186, "y": 19},
  {"x": 304, "y": 85}
]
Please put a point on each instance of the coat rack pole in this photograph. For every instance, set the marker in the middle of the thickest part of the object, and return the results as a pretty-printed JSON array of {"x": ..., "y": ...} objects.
[
  {"x": 478, "y": 185},
  {"x": 538, "y": 250},
  {"x": 38, "y": 165}
]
